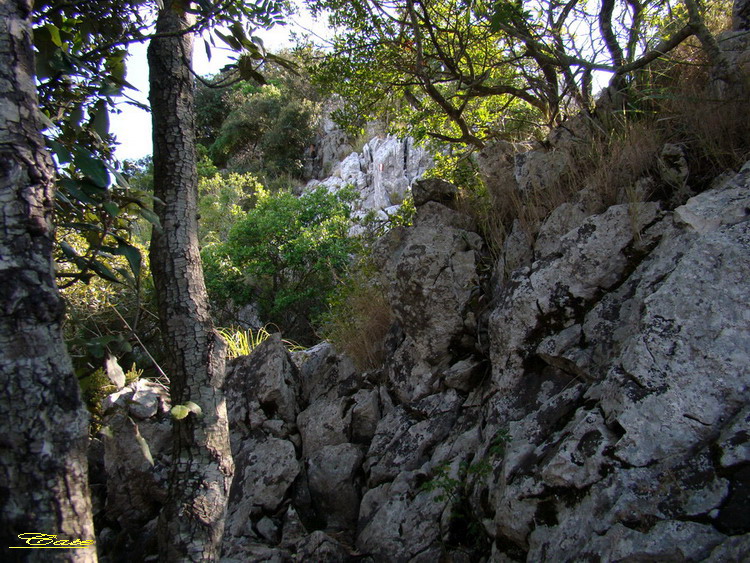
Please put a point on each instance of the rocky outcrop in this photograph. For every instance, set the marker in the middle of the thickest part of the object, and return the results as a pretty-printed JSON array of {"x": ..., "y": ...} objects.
[
  {"x": 381, "y": 173},
  {"x": 606, "y": 419}
]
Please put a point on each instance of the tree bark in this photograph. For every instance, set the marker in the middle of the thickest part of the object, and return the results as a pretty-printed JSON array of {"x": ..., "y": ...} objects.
[
  {"x": 192, "y": 522},
  {"x": 44, "y": 428}
]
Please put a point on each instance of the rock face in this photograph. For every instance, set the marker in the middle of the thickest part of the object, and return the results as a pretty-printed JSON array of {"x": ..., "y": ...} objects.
[
  {"x": 607, "y": 418},
  {"x": 382, "y": 173}
]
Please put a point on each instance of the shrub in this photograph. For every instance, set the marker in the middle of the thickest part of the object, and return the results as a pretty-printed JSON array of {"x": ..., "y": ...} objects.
[
  {"x": 284, "y": 255},
  {"x": 222, "y": 200}
]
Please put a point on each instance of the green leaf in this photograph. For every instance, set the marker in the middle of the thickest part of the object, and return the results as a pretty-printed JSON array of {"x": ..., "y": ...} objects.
[
  {"x": 61, "y": 152},
  {"x": 100, "y": 121},
  {"x": 131, "y": 254},
  {"x": 111, "y": 208},
  {"x": 229, "y": 40},
  {"x": 68, "y": 250},
  {"x": 179, "y": 412},
  {"x": 150, "y": 216},
  {"x": 119, "y": 178},
  {"x": 104, "y": 271},
  {"x": 54, "y": 34},
  {"x": 73, "y": 188},
  {"x": 193, "y": 408},
  {"x": 76, "y": 116},
  {"x": 144, "y": 446},
  {"x": 93, "y": 168}
]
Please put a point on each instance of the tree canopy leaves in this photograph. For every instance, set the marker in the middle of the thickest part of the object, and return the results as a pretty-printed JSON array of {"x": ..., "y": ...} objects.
[{"x": 469, "y": 70}]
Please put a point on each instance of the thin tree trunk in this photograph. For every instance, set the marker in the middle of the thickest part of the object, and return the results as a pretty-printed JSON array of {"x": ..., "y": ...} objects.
[
  {"x": 44, "y": 424},
  {"x": 192, "y": 521}
]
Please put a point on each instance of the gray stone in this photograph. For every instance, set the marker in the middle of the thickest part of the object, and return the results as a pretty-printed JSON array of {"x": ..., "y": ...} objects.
[
  {"x": 666, "y": 541},
  {"x": 710, "y": 210},
  {"x": 326, "y": 373},
  {"x": 734, "y": 442},
  {"x": 263, "y": 385},
  {"x": 557, "y": 290},
  {"x": 334, "y": 487},
  {"x": 401, "y": 523},
  {"x": 321, "y": 547},
  {"x": 365, "y": 415},
  {"x": 142, "y": 399},
  {"x": 432, "y": 274},
  {"x": 539, "y": 171},
  {"x": 405, "y": 435},
  {"x": 324, "y": 423},
  {"x": 690, "y": 354},
  {"x": 464, "y": 375},
  {"x": 433, "y": 189},
  {"x": 136, "y": 461},
  {"x": 265, "y": 470},
  {"x": 382, "y": 172},
  {"x": 267, "y": 529},
  {"x": 735, "y": 548},
  {"x": 577, "y": 460},
  {"x": 563, "y": 219}
]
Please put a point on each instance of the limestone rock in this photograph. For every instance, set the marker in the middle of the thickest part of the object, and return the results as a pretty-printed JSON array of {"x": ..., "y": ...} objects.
[
  {"x": 137, "y": 453},
  {"x": 365, "y": 415},
  {"x": 562, "y": 220},
  {"x": 382, "y": 173},
  {"x": 557, "y": 290},
  {"x": 397, "y": 522},
  {"x": 405, "y": 435},
  {"x": 319, "y": 546},
  {"x": 264, "y": 385},
  {"x": 435, "y": 190},
  {"x": 264, "y": 471},
  {"x": 324, "y": 423},
  {"x": 734, "y": 442},
  {"x": 332, "y": 479},
  {"x": 432, "y": 272}
]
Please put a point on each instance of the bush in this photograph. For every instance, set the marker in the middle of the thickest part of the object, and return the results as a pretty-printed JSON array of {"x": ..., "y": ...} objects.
[
  {"x": 222, "y": 200},
  {"x": 267, "y": 131},
  {"x": 285, "y": 255}
]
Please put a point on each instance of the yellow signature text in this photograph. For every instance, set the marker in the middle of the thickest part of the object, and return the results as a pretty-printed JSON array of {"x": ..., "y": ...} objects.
[{"x": 36, "y": 540}]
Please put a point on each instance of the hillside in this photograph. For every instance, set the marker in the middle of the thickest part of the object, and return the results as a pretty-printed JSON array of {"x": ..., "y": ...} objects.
[{"x": 572, "y": 388}]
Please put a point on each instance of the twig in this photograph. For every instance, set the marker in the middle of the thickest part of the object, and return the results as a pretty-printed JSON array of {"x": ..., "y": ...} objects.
[{"x": 156, "y": 365}]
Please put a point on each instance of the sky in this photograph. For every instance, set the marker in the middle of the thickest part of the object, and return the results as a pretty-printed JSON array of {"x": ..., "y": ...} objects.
[{"x": 132, "y": 126}]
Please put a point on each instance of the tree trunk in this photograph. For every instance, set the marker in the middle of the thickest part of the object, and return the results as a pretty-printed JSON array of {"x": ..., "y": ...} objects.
[
  {"x": 44, "y": 428},
  {"x": 192, "y": 521}
]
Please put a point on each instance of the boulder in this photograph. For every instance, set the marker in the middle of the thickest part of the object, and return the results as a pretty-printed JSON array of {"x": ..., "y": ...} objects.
[
  {"x": 264, "y": 385},
  {"x": 432, "y": 274},
  {"x": 324, "y": 423},
  {"x": 406, "y": 435},
  {"x": 136, "y": 435},
  {"x": 382, "y": 172},
  {"x": 332, "y": 475}
]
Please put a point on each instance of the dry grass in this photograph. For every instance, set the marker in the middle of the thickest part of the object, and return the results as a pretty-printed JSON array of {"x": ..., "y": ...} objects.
[
  {"x": 358, "y": 322},
  {"x": 613, "y": 162},
  {"x": 673, "y": 101}
]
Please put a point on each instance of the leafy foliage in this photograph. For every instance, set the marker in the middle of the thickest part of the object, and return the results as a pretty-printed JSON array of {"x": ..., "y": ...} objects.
[
  {"x": 222, "y": 200},
  {"x": 266, "y": 130},
  {"x": 469, "y": 71},
  {"x": 285, "y": 255}
]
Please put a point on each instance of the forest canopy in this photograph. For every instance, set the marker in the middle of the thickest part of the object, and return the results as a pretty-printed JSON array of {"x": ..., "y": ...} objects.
[{"x": 471, "y": 70}]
